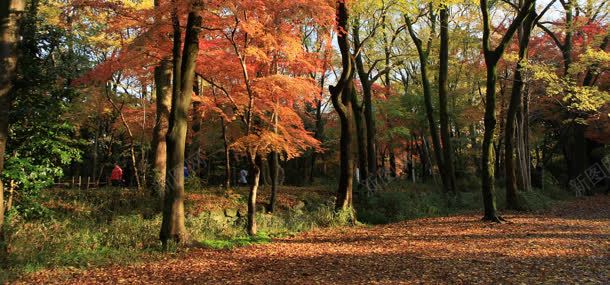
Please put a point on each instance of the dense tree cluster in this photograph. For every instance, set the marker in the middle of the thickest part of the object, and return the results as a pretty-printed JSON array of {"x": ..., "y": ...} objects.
[{"x": 515, "y": 93}]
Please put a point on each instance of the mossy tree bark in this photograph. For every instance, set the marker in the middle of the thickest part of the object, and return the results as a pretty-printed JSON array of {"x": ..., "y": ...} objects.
[
  {"x": 427, "y": 90},
  {"x": 442, "y": 95},
  {"x": 492, "y": 57}
]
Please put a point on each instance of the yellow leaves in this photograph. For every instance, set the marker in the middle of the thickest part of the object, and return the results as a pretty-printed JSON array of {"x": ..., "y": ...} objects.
[
  {"x": 51, "y": 12},
  {"x": 252, "y": 27},
  {"x": 511, "y": 57},
  {"x": 586, "y": 99},
  {"x": 579, "y": 99},
  {"x": 256, "y": 53},
  {"x": 590, "y": 59},
  {"x": 139, "y": 4},
  {"x": 414, "y": 7}
]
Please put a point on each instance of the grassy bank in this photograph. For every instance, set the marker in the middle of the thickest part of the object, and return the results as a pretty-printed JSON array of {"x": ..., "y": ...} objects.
[{"x": 78, "y": 229}]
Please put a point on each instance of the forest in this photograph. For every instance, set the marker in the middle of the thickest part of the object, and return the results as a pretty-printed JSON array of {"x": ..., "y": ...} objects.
[{"x": 305, "y": 141}]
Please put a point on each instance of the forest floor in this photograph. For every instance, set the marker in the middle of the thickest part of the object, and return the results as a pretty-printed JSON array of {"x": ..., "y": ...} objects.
[{"x": 566, "y": 244}]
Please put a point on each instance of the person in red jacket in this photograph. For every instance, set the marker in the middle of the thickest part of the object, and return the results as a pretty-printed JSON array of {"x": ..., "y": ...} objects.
[{"x": 117, "y": 175}]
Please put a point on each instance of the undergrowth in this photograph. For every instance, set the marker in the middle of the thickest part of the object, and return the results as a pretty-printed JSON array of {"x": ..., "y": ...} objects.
[
  {"x": 395, "y": 202},
  {"x": 79, "y": 229}
]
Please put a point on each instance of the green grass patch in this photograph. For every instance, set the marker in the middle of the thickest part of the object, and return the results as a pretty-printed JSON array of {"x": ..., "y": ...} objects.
[{"x": 260, "y": 238}]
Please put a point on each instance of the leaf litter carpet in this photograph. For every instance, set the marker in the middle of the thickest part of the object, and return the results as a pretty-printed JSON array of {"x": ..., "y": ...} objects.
[{"x": 564, "y": 245}]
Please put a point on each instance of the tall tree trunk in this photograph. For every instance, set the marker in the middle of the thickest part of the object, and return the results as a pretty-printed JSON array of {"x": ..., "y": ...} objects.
[
  {"x": 365, "y": 127},
  {"x": 475, "y": 149},
  {"x": 427, "y": 90},
  {"x": 511, "y": 116},
  {"x": 274, "y": 165},
  {"x": 94, "y": 154},
  {"x": 172, "y": 226},
  {"x": 492, "y": 57},
  {"x": 523, "y": 166},
  {"x": 393, "y": 172},
  {"x": 10, "y": 13},
  {"x": 319, "y": 134},
  {"x": 388, "y": 85},
  {"x": 194, "y": 149},
  {"x": 442, "y": 94},
  {"x": 370, "y": 133},
  {"x": 428, "y": 162},
  {"x": 341, "y": 97},
  {"x": 363, "y": 169},
  {"x": 227, "y": 156},
  {"x": 255, "y": 168},
  {"x": 143, "y": 158},
  {"x": 487, "y": 167},
  {"x": 163, "y": 91},
  {"x": 274, "y": 168}
]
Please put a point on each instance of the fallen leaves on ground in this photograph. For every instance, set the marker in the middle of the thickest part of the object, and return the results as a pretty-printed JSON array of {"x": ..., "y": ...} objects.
[{"x": 568, "y": 244}]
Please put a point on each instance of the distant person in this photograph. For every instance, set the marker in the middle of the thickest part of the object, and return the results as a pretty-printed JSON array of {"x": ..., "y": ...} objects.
[
  {"x": 186, "y": 171},
  {"x": 243, "y": 177},
  {"x": 117, "y": 176}
]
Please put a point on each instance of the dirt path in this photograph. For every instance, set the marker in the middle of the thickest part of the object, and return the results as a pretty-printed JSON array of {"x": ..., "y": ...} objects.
[{"x": 569, "y": 244}]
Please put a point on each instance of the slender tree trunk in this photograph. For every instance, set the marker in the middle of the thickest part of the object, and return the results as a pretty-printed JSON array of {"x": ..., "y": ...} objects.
[
  {"x": 94, "y": 154},
  {"x": 319, "y": 134},
  {"x": 274, "y": 165},
  {"x": 492, "y": 56},
  {"x": 387, "y": 51},
  {"x": 511, "y": 116},
  {"x": 194, "y": 149},
  {"x": 365, "y": 127},
  {"x": 275, "y": 171},
  {"x": 427, "y": 90},
  {"x": 363, "y": 169},
  {"x": 487, "y": 166},
  {"x": 172, "y": 226},
  {"x": 10, "y": 13},
  {"x": 225, "y": 140},
  {"x": 428, "y": 165},
  {"x": 523, "y": 159},
  {"x": 341, "y": 97},
  {"x": 393, "y": 172},
  {"x": 442, "y": 94},
  {"x": 473, "y": 133},
  {"x": 143, "y": 157},
  {"x": 255, "y": 169},
  {"x": 370, "y": 133}
]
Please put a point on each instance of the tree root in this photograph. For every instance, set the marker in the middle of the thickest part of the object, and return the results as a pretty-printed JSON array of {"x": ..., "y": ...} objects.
[{"x": 494, "y": 218}]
